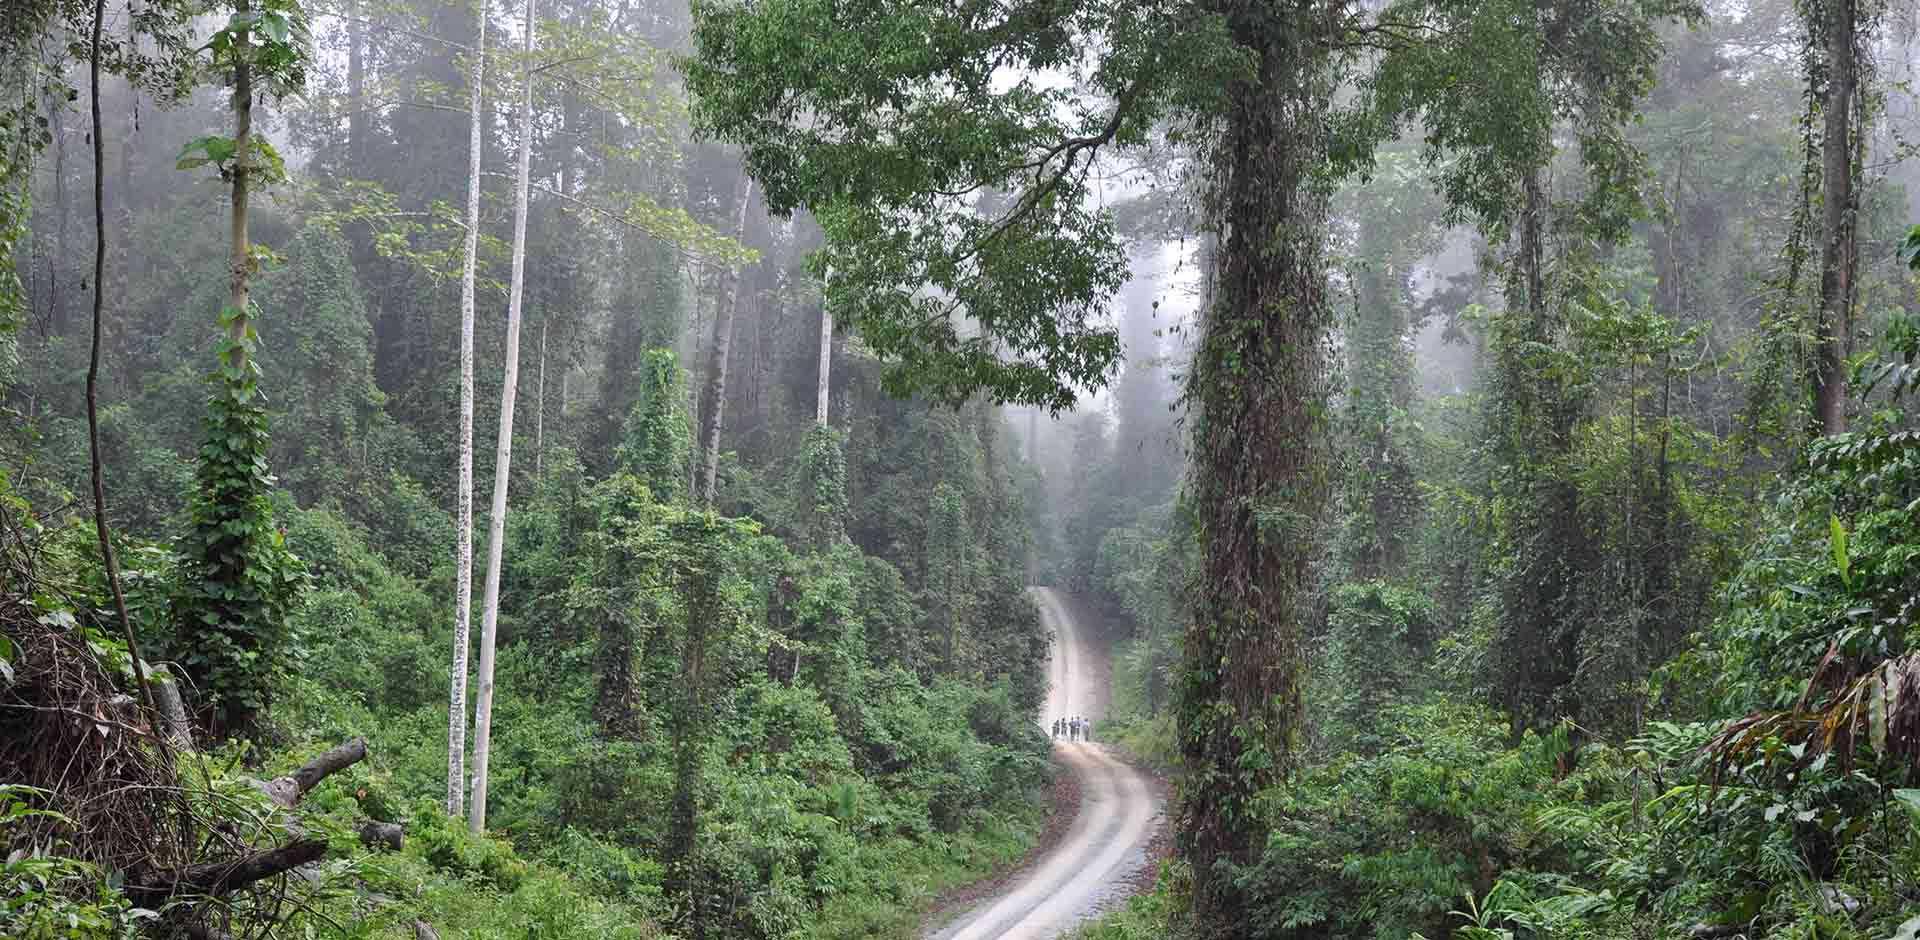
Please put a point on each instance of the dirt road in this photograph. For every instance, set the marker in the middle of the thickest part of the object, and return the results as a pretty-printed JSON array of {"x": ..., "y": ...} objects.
[{"x": 1088, "y": 871}]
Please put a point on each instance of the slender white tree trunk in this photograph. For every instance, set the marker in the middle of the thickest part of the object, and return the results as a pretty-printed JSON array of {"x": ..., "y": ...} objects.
[
  {"x": 540, "y": 406},
  {"x": 497, "y": 520},
  {"x": 463, "y": 558},
  {"x": 826, "y": 351},
  {"x": 716, "y": 405}
]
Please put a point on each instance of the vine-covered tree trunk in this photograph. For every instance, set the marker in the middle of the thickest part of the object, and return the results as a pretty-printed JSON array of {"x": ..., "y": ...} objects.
[
  {"x": 700, "y": 579},
  {"x": 463, "y": 551},
  {"x": 503, "y": 452},
  {"x": 240, "y": 581},
  {"x": 712, "y": 410},
  {"x": 540, "y": 405},
  {"x": 1834, "y": 322},
  {"x": 1380, "y": 388},
  {"x": 1259, "y": 453},
  {"x": 616, "y": 703},
  {"x": 1531, "y": 422}
]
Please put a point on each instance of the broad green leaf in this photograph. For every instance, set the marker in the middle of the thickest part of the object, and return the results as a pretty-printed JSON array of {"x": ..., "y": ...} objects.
[{"x": 1838, "y": 544}]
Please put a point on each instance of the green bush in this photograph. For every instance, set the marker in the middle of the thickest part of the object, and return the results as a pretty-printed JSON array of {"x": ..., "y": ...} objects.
[
  {"x": 447, "y": 845},
  {"x": 1386, "y": 845}
]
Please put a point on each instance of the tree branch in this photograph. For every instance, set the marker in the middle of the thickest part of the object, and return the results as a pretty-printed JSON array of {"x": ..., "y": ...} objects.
[
  {"x": 289, "y": 790},
  {"x": 215, "y": 879}
]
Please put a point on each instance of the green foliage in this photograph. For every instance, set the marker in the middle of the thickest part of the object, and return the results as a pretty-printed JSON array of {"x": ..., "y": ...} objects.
[
  {"x": 447, "y": 845},
  {"x": 322, "y": 363},
  {"x": 1377, "y": 651},
  {"x": 273, "y": 37},
  {"x": 895, "y": 187},
  {"x": 820, "y": 488},
  {"x": 15, "y": 209},
  {"x": 1386, "y": 845},
  {"x": 238, "y": 580},
  {"x": 656, "y": 440},
  {"x": 1489, "y": 99},
  {"x": 47, "y": 896}
]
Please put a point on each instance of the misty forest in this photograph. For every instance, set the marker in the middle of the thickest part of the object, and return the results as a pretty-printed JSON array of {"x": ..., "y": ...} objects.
[{"x": 960, "y": 469}]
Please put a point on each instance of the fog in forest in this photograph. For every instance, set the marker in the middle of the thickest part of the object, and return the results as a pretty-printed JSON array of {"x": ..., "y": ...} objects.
[{"x": 1095, "y": 469}]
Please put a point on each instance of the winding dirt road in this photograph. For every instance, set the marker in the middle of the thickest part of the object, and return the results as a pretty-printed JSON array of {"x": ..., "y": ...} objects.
[{"x": 1089, "y": 870}]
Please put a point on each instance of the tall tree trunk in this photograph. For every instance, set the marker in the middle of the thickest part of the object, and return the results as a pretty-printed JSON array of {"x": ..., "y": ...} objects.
[
  {"x": 98, "y": 472},
  {"x": 240, "y": 255},
  {"x": 463, "y": 552},
  {"x": 1535, "y": 653},
  {"x": 1260, "y": 468},
  {"x": 123, "y": 200},
  {"x": 699, "y": 584},
  {"x": 1533, "y": 249},
  {"x": 540, "y": 406},
  {"x": 826, "y": 353},
  {"x": 497, "y": 520},
  {"x": 1833, "y": 328},
  {"x": 357, "y": 92},
  {"x": 713, "y": 409},
  {"x": 57, "y": 307}
]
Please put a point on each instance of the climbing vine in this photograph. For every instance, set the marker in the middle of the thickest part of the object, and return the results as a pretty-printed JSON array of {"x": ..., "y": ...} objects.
[{"x": 240, "y": 580}]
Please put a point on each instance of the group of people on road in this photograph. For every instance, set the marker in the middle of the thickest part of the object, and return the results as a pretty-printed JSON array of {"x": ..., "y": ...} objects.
[{"x": 1074, "y": 729}]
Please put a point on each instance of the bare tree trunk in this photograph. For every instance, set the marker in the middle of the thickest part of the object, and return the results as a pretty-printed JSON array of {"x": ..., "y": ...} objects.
[
  {"x": 1533, "y": 247},
  {"x": 357, "y": 91},
  {"x": 240, "y": 257},
  {"x": 713, "y": 412},
  {"x": 826, "y": 352},
  {"x": 57, "y": 308},
  {"x": 1834, "y": 322},
  {"x": 101, "y": 530},
  {"x": 540, "y": 406},
  {"x": 497, "y": 520},
  {"x": 463, "y": 558}
]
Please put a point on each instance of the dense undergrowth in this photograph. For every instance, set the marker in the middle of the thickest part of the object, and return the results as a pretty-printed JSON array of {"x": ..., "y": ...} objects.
[
  {"x": 1767, "y": 791},
  {"x": 836, "y": 807}
]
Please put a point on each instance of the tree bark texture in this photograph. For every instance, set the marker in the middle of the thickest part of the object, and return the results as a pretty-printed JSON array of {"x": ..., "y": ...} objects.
[
  {"x": 1833, "y": 326},
  {"x": 463, "y": 552},
  {"x": 826, "y": 354},
  {"x": 289, "y": 790},
  {"x": 240, "y": 254},
  {"x": 497, "y": 520},
  {"x": 215, "y": 879},
  {"x": 1259, "y": 465},
  {"x": 712, "y": 411}
]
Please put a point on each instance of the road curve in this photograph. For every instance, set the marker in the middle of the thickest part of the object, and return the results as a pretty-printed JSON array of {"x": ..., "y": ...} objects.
[{"x": 1088, "y": 870}]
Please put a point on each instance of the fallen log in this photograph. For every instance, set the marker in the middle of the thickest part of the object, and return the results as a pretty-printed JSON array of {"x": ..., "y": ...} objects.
[
  {"x": 289, "y": 790},
  {"x": 214, "y": 879}
]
